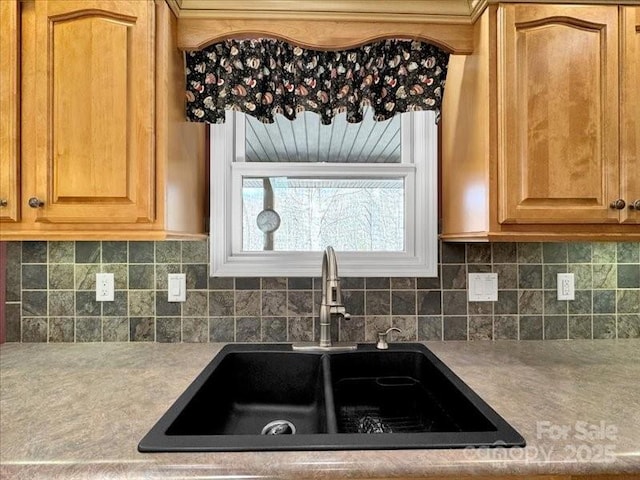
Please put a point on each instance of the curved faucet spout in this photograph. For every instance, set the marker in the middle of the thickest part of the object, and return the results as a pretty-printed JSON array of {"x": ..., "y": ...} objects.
[{"x": 331, "y": 303}]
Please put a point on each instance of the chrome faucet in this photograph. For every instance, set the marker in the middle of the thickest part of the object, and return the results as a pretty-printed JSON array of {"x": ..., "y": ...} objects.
[
  {"x": 330, "y": 306},
  {"x": 331, "y": 303}
]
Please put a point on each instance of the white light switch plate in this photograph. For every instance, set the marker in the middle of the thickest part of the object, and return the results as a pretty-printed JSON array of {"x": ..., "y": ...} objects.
[
  {"x": 177, "y": 287},
  {"x": 483, "y": 287},
  {"x": 566, "y": 286},
  {"x": 104, "y": 287}
]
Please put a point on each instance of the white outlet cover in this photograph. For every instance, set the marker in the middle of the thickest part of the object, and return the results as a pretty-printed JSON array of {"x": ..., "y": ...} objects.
[
  {"x": 566, "y": 286},
  {"x": 104, "y": 287},
  {"x": 483, "y": 287}
]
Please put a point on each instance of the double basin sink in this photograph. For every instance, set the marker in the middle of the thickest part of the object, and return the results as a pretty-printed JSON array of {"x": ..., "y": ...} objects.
[{"x": 270, "y": 397}]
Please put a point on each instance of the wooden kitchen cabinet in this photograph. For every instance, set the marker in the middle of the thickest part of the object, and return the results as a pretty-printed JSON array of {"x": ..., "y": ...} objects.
[
  {"x": 101, "y": 133},
  {"x": 9, "y": 114},
  {"x": 548, "y": 109}
]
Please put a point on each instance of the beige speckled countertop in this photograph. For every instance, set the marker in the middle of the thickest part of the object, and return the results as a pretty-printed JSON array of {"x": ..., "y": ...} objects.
[{"x": 77, "y": 411}]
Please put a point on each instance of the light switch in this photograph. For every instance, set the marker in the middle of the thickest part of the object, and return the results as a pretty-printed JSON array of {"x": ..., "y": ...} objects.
[
  {"x": 566, "y": 286},
  {"x": 483, "y": 287},
  {"x": 177, "y": 287}
]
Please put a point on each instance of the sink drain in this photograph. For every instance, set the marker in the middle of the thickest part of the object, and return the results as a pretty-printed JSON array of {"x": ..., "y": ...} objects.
[{"x": 279, "y": 427}]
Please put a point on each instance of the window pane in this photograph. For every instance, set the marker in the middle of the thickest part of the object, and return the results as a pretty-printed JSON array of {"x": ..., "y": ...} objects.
[{"x": 310, "y": 213}]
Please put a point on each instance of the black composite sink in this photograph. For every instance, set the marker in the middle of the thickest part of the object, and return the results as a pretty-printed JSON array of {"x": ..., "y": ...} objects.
[{"x": 269, "y": 397}]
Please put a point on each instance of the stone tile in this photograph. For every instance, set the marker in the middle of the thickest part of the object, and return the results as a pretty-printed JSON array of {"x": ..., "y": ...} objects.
[
  {"x": 85, "y": 275},
  {"x": 353, "y": 301},
  {"x": 168, "y": 251},
  {"x": 61, "y": 303},
  {"x": 550, "y": 276},
  {"x": 115, "y": 252},
  {"x": 529, "y": 252},
  {"x": 454, "y": 302},
  {"x": 248, "y": 329},
  {"x": 529, "y": 276},
  {"x": 352, "y": 283},
  {"x": 505, "y": 327},
  {"x": 507, "y": 302},
  {"x": 221, "y": 303},
  {"x": 221, "y": 329},
  {"x": 34, "y": 330},
  {"x": 628, "y": 301},
  {"x": 580, "y": 327},
  {"x": 628, "y": 252},
  {"x": 554, "y": 253},
  {"x": 34, "y": 277},
  {"x": 454, "y": 328},
  {"x": 453, "y": 252},
  {"x": 403, "y": 302},
  {"x": 403, "y": 283},
  {"x": 221, "y": 283},
  {"x": 480, "y": 327},
  {"x": 480, "y": 308},
  {"x": 604, "y": 301},
  {"x": 274, "y": 283},
  {"x": 579, "y": 252},
  {"x": 274, "y": 303},
  {"x": 428, "y": 283},
  {"x": 115, "y": 329},
  {"x": 582, "y": 275},
  {"x": 478, "y": 268},
  {"x": 409, "y": 326},
  {"x": 247, "y": 283},
  {"x": 375, "y": 324},
  {"x": 196, "y": 251},
  {"x": 61, "y": 277},
  {"x": 429, "y": 328},
  {"x": 87, "y": 306},
  {"x": 629, "y": 325},
  {"x": 300, "y": 329},
  {"x": 169, "y": 330},
  {"x": 274, "y": 329},
  {"x": 478, "y": 253},
  {"x": 34, "y": 252},
  {"x": 351, "y": 330},
  {"x": 196, "y": 304},
  {"x": 553, "y": 306},
  {"x": 604, "y": 326},
  {"x": 14, "y": 272},
  {"x": 603, "y": 252},
  {"x": 142, "y": 303},
  {"x": 248, "y": 303},
  {"x": 299, "y": 302},
  {"x": 162, "y": 275},
  {"x": 119, "y": 307},
  {"x": 195, "y": 330},
  {"x": 377, "y": 302},
  {"x": 88, "y": 329},
  {"x": 62, "y": 252},
  {"x": 378, "y": 283},
  {"x": 120, "y": 274},
  {"x": 504, "y": 252},
  {"x": 88, "y": 252},
  {"x": 141, "y": 277},
  {"x": 13, "y": 322},
  {"x": 141, "y": 252},
  {"x": 141, "y": 329},
  {"x": 605, "y": 276},
  {"x": 555, "y": 327},
  {"x": 628, "y": 276},
  {"x": 164, "y": 308},
  {"x": 300, "y": 283},
  {"x": 34, "y": 303},
  {"x": 61, "y": 330},
  {"x": 531, "y": 327},
  {"x": 197, "y": 276},
  {"x": 581, "y": 304},
  {"x": 507, "y": 275},
  {"x": 454, "y": 277},
  {"x": 530, "y": 302}
]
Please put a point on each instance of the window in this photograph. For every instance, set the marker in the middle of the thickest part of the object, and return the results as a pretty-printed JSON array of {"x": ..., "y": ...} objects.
[{"x": 281, "y": 193}]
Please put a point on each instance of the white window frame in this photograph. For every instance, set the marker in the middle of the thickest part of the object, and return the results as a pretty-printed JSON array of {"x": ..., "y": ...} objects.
[{"x": 419, "y": 141}]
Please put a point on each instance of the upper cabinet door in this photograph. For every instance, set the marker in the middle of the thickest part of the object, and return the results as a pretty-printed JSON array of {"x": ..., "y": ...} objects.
[
  {"x": 630, "y": 113},
  {"x": 9, "y": 118},
  {"x": 557, "y": 113},
  {"x": 89, "y": 90}
]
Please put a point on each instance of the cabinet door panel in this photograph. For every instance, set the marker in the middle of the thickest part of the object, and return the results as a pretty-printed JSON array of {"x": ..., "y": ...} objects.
[
  {"x": 630, "y": 111},
  {"x": 9, "y": 120},
  {"x": 94, "y": 131},
  {"x": 558, "y": 111}
]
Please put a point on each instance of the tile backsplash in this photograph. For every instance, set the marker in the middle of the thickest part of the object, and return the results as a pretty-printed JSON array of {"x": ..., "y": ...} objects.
[{"x": 51, "y": 296}]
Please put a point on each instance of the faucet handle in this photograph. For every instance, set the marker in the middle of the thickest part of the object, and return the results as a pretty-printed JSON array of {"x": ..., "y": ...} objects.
[
  {"x": 382, "y": 338},
  {"x": 340, "y": 310}
]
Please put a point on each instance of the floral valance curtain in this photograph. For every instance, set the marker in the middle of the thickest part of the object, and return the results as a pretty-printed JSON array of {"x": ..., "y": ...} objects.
[{"x": 265, "y": 77}]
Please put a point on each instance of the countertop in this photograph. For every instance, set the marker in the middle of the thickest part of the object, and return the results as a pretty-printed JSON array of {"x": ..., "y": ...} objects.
[{"x": 79, "y": 410}]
